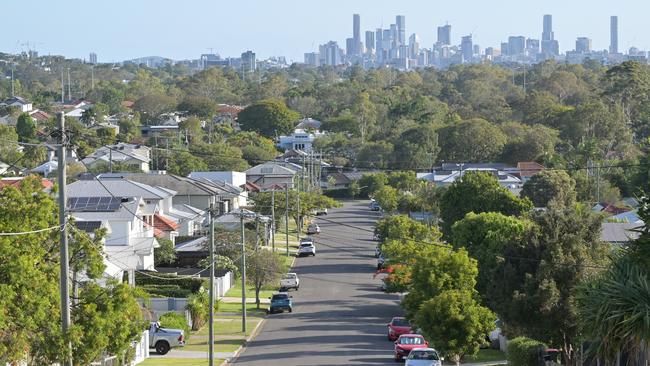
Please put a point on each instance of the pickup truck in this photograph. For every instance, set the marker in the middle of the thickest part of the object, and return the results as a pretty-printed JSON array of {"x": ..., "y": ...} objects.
[
  {"x": 290, "y": 280},
  {"x": 280, "y": 301},
  {"x": 164, "y": 339}
]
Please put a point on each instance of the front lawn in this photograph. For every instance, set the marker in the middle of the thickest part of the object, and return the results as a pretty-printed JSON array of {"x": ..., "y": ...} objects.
[{"x": 486, "y": 355}]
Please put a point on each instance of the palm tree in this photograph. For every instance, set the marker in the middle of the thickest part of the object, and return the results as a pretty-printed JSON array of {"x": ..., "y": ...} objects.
[{"x": 614, "y": 309}]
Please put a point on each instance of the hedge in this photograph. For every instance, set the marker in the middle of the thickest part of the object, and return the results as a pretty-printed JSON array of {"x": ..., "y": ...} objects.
[
  {"x": 524, "y": 351},
  {"x": 175, "y": 321},
  {"x": 164, "y": 291},
  {"x": 192, "y": 284}
]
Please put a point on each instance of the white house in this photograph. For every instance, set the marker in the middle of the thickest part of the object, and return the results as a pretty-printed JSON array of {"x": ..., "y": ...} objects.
[
  {"x": 136, "y": 156},
  {"x": 18, "y": 102},
  {"x": 447, "y": 177},
  {"x": 130, "y": 243},
  {"x": 271, "y": 174},
  {"x": 230, "y": 180},
  {"x": 299, "y": 140}
]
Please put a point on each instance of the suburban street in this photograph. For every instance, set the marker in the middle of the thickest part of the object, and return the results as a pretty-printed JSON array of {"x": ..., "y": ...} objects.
[{"x": 340, "y": 314}]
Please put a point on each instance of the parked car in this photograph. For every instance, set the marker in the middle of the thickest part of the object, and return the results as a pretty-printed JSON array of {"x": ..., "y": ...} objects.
[
  {"x": 313, "y": 229},
  {"x": 164, "y": 339},
  {"x": 374, "y": 206},
  {"x": 321, "y": 211},
  {"x": 424, "y": 357},
  {"x": 290, "y": 280},
  {"x": 408, "y": 342},
  {"x": 493, "y": 336},
  {"x": 280, "y": 302},
  {"x": 381, "y": 261},
  {"x": 398, "y": 326},
  {"x": 377, "y": 251},
  {"x": 307, "y": 248}
]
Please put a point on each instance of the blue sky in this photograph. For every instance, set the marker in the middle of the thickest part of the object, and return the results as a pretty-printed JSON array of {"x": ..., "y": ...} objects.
[{"x": 124, "y": 29}]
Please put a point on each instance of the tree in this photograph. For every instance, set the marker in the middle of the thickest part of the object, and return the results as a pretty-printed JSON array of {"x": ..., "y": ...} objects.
[
  {"x": 152, "y": 106},
  {"x": 106, "y": 135},
  {"x": 192, "y": 127},
  {"x": 8, "y": 150},
  {"x": 255, "y": 148},
  {"x": 220, "y": 156},
  {"x": 202, "y": 107},
  {"x": 416, "y": 148},
  {"x": 528, "y": 143},
  {"x": 478, "y": 192},
  {"x": 372, "y": 182},
  {"x": 375, "y": 155},
  {"x": 354, "y": 189},
  {"x": 105, "y": 318},
  {"x": 401, "y": 227},
  {"x": 183, "y": 163},
  {"x": 403, "y": 181},
  {"x": 387, "y": 198},
  {"x": 268, "y": 117},
  {"x": 455, "y": 323},
  {"x": 166, "y": 253},
  {"x": 550, "y": 185},
  {"x": 475, "y": 140},
  {"x": 262, "y": 269},
  {"x": 25, "y": 127}
]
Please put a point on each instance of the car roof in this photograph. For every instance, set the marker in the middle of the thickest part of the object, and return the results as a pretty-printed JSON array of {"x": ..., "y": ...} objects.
[
  {"x": 411, "y": 335},
  {"x": 398, "y": 317},
  {"x": 424, "y": 349}
]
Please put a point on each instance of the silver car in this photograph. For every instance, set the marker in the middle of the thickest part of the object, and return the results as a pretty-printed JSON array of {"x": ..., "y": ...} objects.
[{"x": 424, "y": 357}]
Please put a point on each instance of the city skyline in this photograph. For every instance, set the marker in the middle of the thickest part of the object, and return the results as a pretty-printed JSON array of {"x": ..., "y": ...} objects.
[{"x": 121, "y": 35}]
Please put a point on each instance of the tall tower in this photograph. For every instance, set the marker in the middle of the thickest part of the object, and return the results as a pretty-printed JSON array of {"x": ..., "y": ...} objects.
[
  {"x": 370, "y": 42},
  {"x": 356, "y": 33},
  {"x": 401, "y": 30},
  {"x": 613, "y": 34},
  {"x": 444, "y": 34},
  {"x": 467, "y": 48},
  {"x": 550, "y": 46}
]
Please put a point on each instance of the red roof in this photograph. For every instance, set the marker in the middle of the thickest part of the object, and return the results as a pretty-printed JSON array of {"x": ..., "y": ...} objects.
[
  {"x": 529, "y": 168},
  {"x": 614, "y": 210},
  {"x": 163, "y": 223},
  {"x": 252, "y": 187},
  {"x": 232, "y": 110},
  {"x": 15, "y": 181},
  {"x": 40, "y": 116}
]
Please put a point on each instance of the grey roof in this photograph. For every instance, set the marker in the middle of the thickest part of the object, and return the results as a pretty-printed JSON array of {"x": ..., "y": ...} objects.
[
  {"x": 118, "y": 186},
  {"x": 181, "y": 185},
  {"x": 619, "y": 232},
  {"x": 271, "y": 169},
  {"x": 194, "y": 245}
]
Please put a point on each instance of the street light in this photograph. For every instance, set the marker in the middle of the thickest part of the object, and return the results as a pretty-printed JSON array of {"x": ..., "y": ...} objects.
[{"x": 243, "y": 214}]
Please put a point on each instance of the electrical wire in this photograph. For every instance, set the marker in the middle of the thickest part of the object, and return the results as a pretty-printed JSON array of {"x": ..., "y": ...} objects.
[{"x": 57, "y": 227}]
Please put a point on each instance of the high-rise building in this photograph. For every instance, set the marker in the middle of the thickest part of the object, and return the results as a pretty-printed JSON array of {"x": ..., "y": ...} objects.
[
  {"x": 414, "y": 46},
  {"x": 516, "y": 45},
  {"x": 370, "y": 42},
  {"x": 248, "y": 62},
  {"x": 93, "y": 58},
  {"x": 583, "y": 45},
  {"x": 613, "y": 34},
  {"x": 401, "y": 30},
  {"x": 466, "y": 48},
  {"x": 444, "y": 35},
  {"x": 332, "y": 53},
  {"x": 505, "y": 48},
  {"x": 394, "y": 42},
  {"x": 550, "y": 46},
  {"x": 532, "y": 46},
  {"x": 379, "y": 44},
  {"x": 312, "y": 59},
  {"x": 350, "y": 47},
  {"x": 356, "y": 35}
]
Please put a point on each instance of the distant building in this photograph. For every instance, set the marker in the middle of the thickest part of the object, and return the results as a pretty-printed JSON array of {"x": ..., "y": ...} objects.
[
  {"x": 583, "y": 45},
  {"x": 370, "y": 42},
  {"x": 356, "y": 36},
  {"x": 532, "y": 47},
  {"x": 401, "y": 30},
  {"x": 332, "y": 54},
  {"x": 550, "y": 46},
  {"x": 248, "y": 62},
  {"x": 312, "y": 59},
  {"x": 93, "y": 58},
  {"x": 467, "y": 48},
  {"x": 414, "y": 46},
  {"x": 613, "y": 34},
  {"x": 298, "y": 140},
  {"x": 516, "y": 45},
  {"x": 444, "y": 35},
  {"x": 23, "y": 104}
]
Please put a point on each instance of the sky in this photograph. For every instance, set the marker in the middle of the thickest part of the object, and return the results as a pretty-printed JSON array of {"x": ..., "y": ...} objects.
[{"x": 125, "y": 29}]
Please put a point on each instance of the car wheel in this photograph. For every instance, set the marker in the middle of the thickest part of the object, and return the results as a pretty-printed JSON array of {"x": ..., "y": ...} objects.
[
  {"x": 290, "y": 310},
  {"x": 162, "y": 347}
]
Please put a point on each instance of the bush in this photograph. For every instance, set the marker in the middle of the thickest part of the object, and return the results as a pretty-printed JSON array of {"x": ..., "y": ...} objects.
[
  {"x": 166, "y": 291},
  {"x": 524, "y": 351},
  {"x": 175, "y": 321},
  {"x": 192, "y": 284}
]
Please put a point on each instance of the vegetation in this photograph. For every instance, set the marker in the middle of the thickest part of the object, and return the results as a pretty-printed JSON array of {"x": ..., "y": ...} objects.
[{"x": 524, "y": 351}]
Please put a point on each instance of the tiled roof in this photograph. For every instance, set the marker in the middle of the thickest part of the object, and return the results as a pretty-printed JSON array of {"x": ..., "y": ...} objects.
[
  {"x": 529, "y": 168},
  {"x": 15, "y": 181},
  {"x": 163, "y": 223}
]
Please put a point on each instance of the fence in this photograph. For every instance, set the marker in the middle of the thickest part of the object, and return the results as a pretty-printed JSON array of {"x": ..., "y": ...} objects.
[{"x": 141, "y": 353}]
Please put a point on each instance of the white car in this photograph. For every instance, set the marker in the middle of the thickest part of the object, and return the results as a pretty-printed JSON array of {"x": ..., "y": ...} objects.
[
  {"x": 313, "y": 229},
  {"x": 424, "y": 357},
  {"x": 290, "y": 280},
  {"x": 307, "y": 248}
]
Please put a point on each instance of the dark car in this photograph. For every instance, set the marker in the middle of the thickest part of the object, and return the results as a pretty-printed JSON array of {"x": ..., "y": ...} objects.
[{"x": 280, "y": 302}]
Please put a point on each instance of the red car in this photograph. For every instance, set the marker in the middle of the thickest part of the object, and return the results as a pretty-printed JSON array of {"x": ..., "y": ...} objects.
[
  {"x": 406, "y": 342},
  {"x": 398, "y": 326}
]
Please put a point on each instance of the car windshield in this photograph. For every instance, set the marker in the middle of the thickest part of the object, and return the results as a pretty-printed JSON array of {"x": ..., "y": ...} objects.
[
  {"x": 306, "y": 244},
  {"x": 280, "y": 297},
  {"x": 411, "y": 340},
  {"x": 290, "y": 277},
  {"x": 400, "y": 322},
  {"x": 424, "y": 355}
]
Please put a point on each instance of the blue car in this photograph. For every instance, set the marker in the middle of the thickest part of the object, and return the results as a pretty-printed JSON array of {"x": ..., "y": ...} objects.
[{"x": 280, "y": 302}]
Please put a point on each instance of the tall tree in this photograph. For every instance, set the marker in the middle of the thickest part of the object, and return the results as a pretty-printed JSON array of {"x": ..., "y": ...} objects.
[
  {"x": 26, "y": 127},
  {"x": 269, "y": 117},
  {"x": 475, "y": 140},
  {"x": 263, "y": 269}
]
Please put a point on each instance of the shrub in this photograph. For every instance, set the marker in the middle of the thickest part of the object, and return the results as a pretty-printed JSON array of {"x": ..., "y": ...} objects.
[
  {"x": 524, "y": 351},
  {"x": 166, "y": 291},
  {"x": 175, "y": 321},
  {"x": 193, "y": 284}
]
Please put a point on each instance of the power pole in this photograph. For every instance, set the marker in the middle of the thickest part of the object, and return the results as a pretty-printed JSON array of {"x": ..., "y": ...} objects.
[
  {"x": 65, "y": 294},
  {"x": 273, "y": 220},
  {"x": 110, "y": 159},
  {"x": 286, "y": 217},
  {"x": 243, "y": 273},
  {"x": 69, "y": 86},
  {"x": 92, "y": 77},
  {"x": 12, "y": 81},
  {"x": 257, "y": 232},
  {"x": 211, "y": 324},
  {"x": 62, "y": 88},
  {"x": 299, "y": 228}
]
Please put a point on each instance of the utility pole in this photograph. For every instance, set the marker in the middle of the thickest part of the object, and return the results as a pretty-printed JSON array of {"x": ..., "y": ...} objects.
[
  {"x": 243, "y": 273},
  {"x": 286, "y": 217},
  {"x": 110, "y": 159},
  {"x": 299, "y": 228},
  {"x": 273, "y": 220},
  {"x": 62, "y": 88},
  {"x": 69, "y": 86},
  {"x": 92, "y": 77},
  {"x": 211, "y": 302},
  {"x": 12, "y": 81},
  {"x": 65, "y": 294},
  {"x": 257, "y": 232}
]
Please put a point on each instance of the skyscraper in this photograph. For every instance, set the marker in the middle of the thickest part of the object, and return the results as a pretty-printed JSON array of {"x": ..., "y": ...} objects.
[
  {"x": 356, "y": 35},
  {"x": 467, "y": 48},
  {"x": 370, "y": 42},
  {"x": 583, "y": 45},
  {"x": 332, "y": 53},
  {"x": 613, "y": 34},
  {"x": 401, "y": 30},
  {"x": 414, "y": 46},
  {"x": 550, "y": 46},
  {"x": 444, "y": 35},
  {"x": 516, "y": 45},
  {"x": 248, "y": 62},
  {"x": 93, "y": 58}
]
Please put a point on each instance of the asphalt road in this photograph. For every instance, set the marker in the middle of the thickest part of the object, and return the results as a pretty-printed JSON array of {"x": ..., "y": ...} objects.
[{"x": 340, "y": 314}]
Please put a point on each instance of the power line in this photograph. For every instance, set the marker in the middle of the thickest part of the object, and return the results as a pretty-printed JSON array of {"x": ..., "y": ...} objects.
[{"x": 32, "y": 231}]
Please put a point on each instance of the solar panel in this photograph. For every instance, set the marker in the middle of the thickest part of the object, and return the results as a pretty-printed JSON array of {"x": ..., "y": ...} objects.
[
  {"x": 94, "y": 204},
  {"x": 88, "y": 226}
]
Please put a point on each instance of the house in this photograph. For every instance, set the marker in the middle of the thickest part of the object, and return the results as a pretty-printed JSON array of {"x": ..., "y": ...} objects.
[
  {"x": 308, "y": 124},
  {"x": 40, "y": 116},
  {"x": 227, "y": 115},
  {"x": 17, "y": 102},
  {"x": 78, "y": 110},
  {"x": 137, "y": 157},
  {"x": 527, "y": 169},
  {"x": 609, "y": 208},
  {"x": 130, "y": 242},
  {"x": 170, "y": 220},
  {"x": 445, "y": 177},
  {"x": 199, "y": 194},
  {"x": 231, "y": 181},
  {"x": 46, "y": 169},
  {"x": 16, "y": 181},
  {"x": 299, "y": 140},
  {"x": 270, "y": 173},
  {"x": 619, "y": 233},
  {"x": 340, "y": 180}
]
